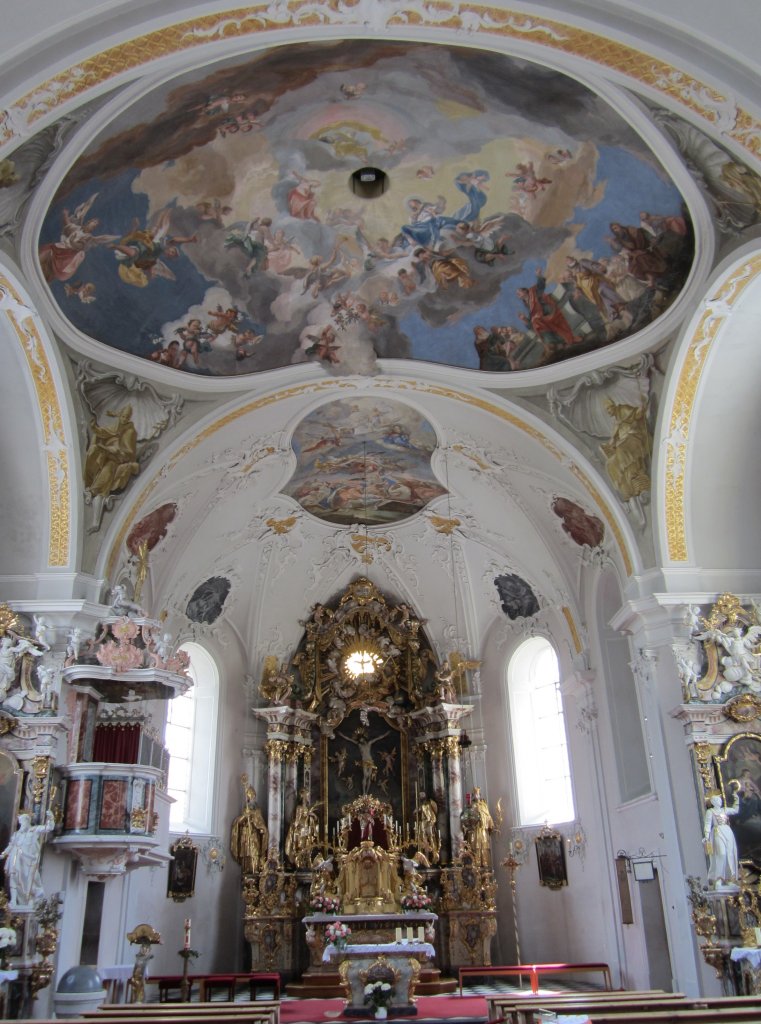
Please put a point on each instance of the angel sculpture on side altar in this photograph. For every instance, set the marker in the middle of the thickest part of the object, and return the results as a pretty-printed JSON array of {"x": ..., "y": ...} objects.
[{"x": 276, "y": 684}]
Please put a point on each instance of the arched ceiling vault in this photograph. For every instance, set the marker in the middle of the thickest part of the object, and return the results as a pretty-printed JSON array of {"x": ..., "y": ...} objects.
[{"x": 510, "y": 498}]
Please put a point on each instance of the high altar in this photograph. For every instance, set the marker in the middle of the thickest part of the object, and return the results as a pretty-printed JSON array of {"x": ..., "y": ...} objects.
[{"x": 365, "y": 823}]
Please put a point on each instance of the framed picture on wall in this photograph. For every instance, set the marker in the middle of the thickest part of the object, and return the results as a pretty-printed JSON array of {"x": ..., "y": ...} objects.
[
  {"x": 550, "y": 855},
  {"x": 181, "y": 882}
]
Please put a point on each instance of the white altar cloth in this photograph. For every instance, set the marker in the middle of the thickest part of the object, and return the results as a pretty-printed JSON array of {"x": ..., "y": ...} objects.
[
  {"x": 364, "y": 949},
  {"x": 749, "y": 953}
]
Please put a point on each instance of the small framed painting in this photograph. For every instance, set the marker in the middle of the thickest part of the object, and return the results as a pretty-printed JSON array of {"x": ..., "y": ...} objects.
[
  {"x": 181, "y": 882},
  {"x": 550, "y": 855}
]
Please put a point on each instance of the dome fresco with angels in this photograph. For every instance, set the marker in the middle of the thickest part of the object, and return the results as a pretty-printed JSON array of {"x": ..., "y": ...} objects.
[{"x": 213, "y": 226}]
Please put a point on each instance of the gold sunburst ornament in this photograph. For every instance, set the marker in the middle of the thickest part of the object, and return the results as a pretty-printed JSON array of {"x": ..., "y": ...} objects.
[{"x": 363, "y": 662}]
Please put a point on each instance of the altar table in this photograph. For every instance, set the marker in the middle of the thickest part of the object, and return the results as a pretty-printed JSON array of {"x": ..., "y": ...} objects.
[{"x": 400, "y": 959}]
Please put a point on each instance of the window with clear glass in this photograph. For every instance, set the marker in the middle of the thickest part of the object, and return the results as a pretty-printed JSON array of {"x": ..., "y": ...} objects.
[
  {"x": 540, "y": 747},
  {"x": 191, "y": 738}
]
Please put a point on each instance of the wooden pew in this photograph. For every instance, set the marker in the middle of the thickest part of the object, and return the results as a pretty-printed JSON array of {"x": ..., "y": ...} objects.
[
  {"x": 721, "y": 1011},
  {"x": 520, "y": 1009},
  {"x": 532, "y": 971},
  {"x": 262, "y": 1010},
  {"x": 209, "y": 1017},
  {"x": 618, "y": 1004}
]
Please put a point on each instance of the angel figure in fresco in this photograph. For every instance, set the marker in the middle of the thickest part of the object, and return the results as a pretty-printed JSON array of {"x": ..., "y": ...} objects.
[
  {"x": 323, "y": 346},
  {"x": 525, "y": 179},
  {"x": 142, "y": 251},
  {"x": 60, "y": 260},
  {"x": 82, "y": 290},
  {"x": 253, "y": 242}
]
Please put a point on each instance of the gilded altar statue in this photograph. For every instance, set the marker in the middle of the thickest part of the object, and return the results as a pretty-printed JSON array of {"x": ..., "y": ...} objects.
[
  {"x": 477, "y": 826},
  {"x": 427, "y": 837},
  {"x": 249, "y": 837},
  {"x": 304, "y": 832}
]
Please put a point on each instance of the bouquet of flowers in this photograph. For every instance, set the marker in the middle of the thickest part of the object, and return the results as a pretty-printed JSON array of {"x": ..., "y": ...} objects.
[
  {"x": 322, "y": 904},
  {"x": 377, "y": 993},
  {"x": 416, "y": 901},
  {"x": 8, "y": 938},
  {"x": 337, "y": 932}
]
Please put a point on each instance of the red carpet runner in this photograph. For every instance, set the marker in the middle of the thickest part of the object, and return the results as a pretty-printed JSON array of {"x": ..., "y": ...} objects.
[{"x": 323, "y": 1011}]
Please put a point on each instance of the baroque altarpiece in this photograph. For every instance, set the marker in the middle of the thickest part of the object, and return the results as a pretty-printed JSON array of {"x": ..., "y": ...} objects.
[
  {"x": 366, "y": 811},
  {"x": 720, "y": 668}
]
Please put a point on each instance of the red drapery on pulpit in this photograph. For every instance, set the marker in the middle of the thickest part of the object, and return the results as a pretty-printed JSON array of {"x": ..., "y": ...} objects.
[{"x": 117, "y": 744}]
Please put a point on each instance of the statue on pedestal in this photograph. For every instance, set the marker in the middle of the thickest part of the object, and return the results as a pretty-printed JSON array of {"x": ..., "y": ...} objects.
[
  {"x": 249, "y": 837},
  {"x": 304, "y": 832},
  {"x": 23, "y": 853},
  {"x": 478, "y": 825},
  {"x": 720, "y": 842}
]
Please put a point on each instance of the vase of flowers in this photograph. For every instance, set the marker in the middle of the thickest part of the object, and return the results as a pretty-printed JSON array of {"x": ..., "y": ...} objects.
[
  {"x": 8, "y": 939},
  {"x": 378, "y": 996},
  {"x": 322, "y": 904},
  {"x": 416, "y": 901},
  {"x": 338, "y": 934}
]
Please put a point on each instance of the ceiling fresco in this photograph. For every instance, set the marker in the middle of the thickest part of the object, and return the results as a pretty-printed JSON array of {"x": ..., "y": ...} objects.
[
  {"x": 213, "y": 227},
  {"x": 364, "y": 460}
]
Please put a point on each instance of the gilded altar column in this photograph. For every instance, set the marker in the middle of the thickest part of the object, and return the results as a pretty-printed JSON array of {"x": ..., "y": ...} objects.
[
  {"x": 452, "y": 747},
  {"x": 436, "y": 752},
  {"x": 292, "y": 754},
  {"x": 275, "y": 750}
]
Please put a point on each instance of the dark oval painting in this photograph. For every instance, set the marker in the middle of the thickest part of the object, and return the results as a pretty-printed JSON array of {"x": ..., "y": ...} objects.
[{"x": 504, "y": 216}]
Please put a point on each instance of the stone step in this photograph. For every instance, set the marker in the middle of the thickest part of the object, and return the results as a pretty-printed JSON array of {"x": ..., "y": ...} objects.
[{"x": 328, "y": 985}]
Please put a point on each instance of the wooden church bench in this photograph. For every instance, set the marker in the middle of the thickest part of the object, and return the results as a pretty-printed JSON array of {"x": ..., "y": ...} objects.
[
  {"x": 519, "y": 1009},
  {"x": 532, "y": 971},
  {"x": 721, "y": 1011}
]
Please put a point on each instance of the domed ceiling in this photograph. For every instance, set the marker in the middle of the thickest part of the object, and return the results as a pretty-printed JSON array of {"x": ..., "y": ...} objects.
[{"x": 504, "y": 217}]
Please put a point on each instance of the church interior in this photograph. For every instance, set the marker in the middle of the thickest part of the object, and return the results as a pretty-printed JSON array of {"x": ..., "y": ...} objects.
[{"x": 276, "y": 703}]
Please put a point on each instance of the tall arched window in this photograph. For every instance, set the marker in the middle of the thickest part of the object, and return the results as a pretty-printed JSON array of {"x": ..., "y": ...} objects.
[
  {"x": 542, "y": 770},
  {"x": 191, "y": 738}
]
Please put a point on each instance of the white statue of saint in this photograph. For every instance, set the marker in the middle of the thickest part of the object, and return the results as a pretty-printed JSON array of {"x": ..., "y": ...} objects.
[
  {"x": 23, "y": 854},
  {"x": 720, "y": 842}
]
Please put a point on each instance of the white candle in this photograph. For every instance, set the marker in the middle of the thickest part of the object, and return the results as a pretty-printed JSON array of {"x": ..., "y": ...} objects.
[
  {"x": 420, "y": 937},
  {"x": 398, "y": 935},
  {"x": 409, "y": 934},
  {"x": 187, "y": 934}
]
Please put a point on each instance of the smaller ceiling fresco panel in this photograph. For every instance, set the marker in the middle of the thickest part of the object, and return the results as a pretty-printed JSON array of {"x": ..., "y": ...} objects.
[
  {"x": 365, "y": 461},
  {"x": 212, "y": 228}
]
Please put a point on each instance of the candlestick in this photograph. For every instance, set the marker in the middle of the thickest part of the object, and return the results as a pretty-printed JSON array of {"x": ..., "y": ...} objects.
[{"x": 186, "y": 944}]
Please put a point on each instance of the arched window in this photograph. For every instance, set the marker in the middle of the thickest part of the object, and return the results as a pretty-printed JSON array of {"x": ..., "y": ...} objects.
[
  {"x": 543, "y": 775},
  {"x": 191, "y": 738}
]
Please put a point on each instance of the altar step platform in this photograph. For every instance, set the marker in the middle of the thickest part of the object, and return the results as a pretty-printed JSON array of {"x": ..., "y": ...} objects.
[
  {"x": 452, "y": 1009},
  {"x": 328, "y": 986}
]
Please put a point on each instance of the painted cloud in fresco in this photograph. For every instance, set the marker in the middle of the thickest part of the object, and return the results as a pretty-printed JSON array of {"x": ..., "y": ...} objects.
[
  {"x": 364, "y": 460},
  {"x": 212, "y": 229}
]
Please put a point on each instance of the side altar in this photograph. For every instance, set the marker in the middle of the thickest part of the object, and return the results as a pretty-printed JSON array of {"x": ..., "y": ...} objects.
[{"x": 366, "y": 821}]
